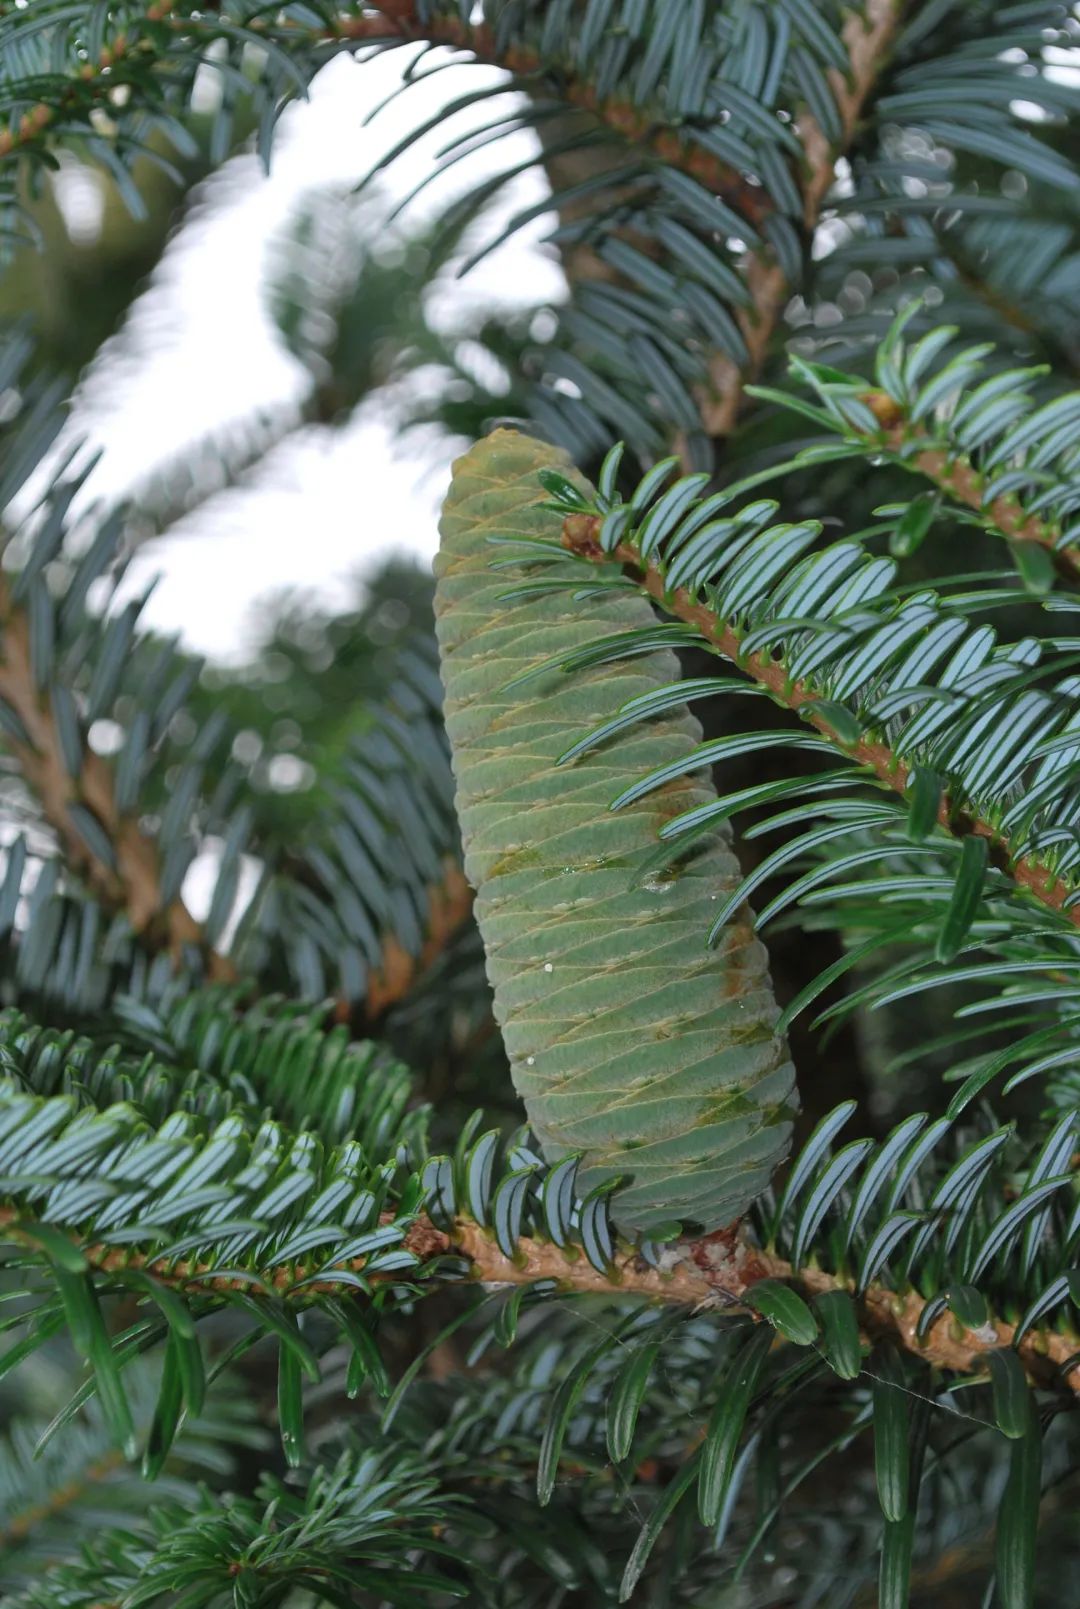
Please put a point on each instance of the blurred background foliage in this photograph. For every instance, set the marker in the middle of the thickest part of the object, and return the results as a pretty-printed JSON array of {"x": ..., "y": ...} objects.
[
  {"x": 350, "y": 293},
  {"x": 349, "y": 288}
]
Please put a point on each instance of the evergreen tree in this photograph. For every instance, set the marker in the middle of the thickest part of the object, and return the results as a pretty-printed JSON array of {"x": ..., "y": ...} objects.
[{"x": 607, "y": 1140}]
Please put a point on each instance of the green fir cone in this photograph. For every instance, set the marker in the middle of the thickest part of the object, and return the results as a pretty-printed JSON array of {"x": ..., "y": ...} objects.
[{"x": 629, "y": 1040}]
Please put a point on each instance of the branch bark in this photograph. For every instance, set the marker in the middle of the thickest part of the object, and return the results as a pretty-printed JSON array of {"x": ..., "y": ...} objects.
[
  {"x": 390, "y": 21},
  {"x": 957, "y": 477},
  {"x": 722, "y": 1270},
  {"x": 581, "y": 536},
  {"x": 398, "y": 19},
  {"x": 449, "y": 908},
  {"x": 868, "y": 35},
  {"x": 132, "y": 884},
  {"x": 718, "y": 1272}
]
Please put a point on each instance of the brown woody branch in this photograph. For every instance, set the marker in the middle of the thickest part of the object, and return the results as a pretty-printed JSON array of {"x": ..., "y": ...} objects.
[
  {"x": 581, "y": 536},
  {"x": 132, "y": 884},
  {"x": 398, "y": 19},
  {"x": 449, "y": 908},
  {"x": 959, "y": 479},
  {"x": 449, "y": 902},
  {"x": 719, "y": 1272},
  {"x": 25, "y": 1522},
  {"x": 868, "y": 35}
]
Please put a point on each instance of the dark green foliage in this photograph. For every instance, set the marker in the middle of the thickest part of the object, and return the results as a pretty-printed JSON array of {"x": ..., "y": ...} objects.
[
  {"x": 55, "y": 1487},
  {"x": 355, "y": 1526},
  {"x": 722, "y": 76},
  {"x": 1001, "y": 442},
  {"x": 869, "y": 654},
  {"x": 824, "y": 257},
  {"x": 989, "y": 721},
  {"x": 200, "y": 1055},
  {"x": 277, "y": 1227},
  {"x": 728, "y": 78}
]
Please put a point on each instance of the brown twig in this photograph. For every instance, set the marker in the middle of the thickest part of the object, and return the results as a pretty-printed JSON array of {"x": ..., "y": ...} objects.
[
  {"x": 868, "y": 35},
  {"x": 722, "y": 1270},
  {"x": 398, "y": 19},
  {"x": 449, "y": 908},
  {"x": 23, "y": 1524},
  {"x": 132, "y": 884},
  {"x": 958, "y": 478},
  {"x": 717, "y": 1272},
  {"x": 581, "y": 536}
]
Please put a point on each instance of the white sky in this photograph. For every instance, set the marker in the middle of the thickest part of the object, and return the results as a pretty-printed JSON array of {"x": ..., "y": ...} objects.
[{"x": 328, "y": 504}]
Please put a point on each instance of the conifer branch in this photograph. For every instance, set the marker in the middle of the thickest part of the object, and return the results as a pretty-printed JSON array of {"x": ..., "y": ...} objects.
[
  {"x": 97, "y": 81},
  {"x": 130, "y": 882},
  {"x": 215, "y": 464},
  {"x": 398, "y": 19},
  {"x": 450, "y": 905},
  {"x": 718, "y": 1272},
  {"x": 955, "y": 475},
  {"x": 389, "y": 22},
  {"x": 868, "y": 34},
  {"x": 21, "y": 1526},
  {"x": 581, "y": 537},
  {"x": 173, "y": 1162},
  {"x": 722, "y": 1270}
]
